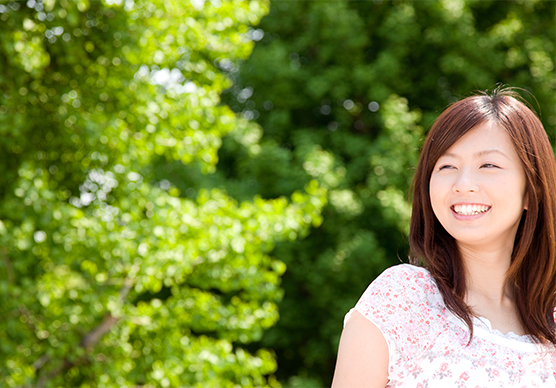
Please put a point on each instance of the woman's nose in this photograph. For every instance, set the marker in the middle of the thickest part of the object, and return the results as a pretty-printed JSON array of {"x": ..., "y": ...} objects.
[{"x": 466, "y": 182}]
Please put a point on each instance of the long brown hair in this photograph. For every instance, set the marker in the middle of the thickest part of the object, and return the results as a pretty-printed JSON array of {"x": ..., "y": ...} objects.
[{"x": 532, "y": 272}]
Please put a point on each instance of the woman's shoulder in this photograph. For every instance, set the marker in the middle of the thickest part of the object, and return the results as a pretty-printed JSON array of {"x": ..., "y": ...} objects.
[
  {"x": 404, "y": 269},
  {"x": 404, "y": 303},
  {"x": 407, "y": 276},
  {"x": 402, "y": 287}
]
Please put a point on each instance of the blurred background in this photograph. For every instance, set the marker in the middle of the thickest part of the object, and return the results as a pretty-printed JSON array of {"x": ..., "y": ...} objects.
[{"x": 194, "y": 193}]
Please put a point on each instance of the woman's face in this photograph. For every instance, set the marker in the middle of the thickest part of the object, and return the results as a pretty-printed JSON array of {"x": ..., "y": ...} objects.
[{"x": 477, "y": 189}]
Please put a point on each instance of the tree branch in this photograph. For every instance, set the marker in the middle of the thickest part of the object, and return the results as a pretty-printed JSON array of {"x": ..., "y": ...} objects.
[
  {"x": 88, "y": 342},
  {"x": 40, "y": 362}
]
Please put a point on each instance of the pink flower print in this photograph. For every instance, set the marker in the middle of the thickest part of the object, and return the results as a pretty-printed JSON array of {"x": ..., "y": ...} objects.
[
  {"x": 415, "y": 370},
  {"x": 415, "y": 319},
  {"x": 444, "y": 372}
]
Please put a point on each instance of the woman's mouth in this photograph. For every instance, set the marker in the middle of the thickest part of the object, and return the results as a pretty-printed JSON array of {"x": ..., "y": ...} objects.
[{"x": 470, "y": 210}]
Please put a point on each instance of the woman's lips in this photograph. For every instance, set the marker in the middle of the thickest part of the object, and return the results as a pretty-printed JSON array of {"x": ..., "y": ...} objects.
[{"x": 471, "y": 209}]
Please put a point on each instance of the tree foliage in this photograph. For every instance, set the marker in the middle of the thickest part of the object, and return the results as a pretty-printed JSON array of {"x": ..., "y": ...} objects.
[
  {"x": 112, "y": 272},
  {"x": 362, "y": 81},
  {"x": 145, "y": 226}
]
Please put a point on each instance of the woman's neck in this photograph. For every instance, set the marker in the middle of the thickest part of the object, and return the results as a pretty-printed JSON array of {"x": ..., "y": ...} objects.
[
  {"x": 485, "y": 273},
  {"x": 488, "y": 293}
]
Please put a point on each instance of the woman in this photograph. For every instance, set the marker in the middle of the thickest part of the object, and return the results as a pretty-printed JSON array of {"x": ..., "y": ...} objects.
[{"x": 481, "y": 312}]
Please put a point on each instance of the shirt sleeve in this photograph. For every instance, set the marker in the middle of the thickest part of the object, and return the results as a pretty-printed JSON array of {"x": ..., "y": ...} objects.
[{"x": 397, "y": 303}]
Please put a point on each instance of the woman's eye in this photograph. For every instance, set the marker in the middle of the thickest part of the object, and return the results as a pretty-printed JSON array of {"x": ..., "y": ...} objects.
[
  {"x": 489, "y": 165},
  {"x": 446, "y": 167}
]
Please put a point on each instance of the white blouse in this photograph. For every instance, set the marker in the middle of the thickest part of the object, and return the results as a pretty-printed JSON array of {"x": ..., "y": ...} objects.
[{"x": 428, "y": 344}]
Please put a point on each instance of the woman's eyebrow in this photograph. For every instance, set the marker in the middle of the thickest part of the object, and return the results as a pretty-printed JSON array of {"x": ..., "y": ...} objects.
[
  {"x": 477, "y": 154},
  {"x": 494, "y": 150}
]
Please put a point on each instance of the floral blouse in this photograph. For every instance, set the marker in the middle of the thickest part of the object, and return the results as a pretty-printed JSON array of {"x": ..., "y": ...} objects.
[{"x": 428, "y": 344}]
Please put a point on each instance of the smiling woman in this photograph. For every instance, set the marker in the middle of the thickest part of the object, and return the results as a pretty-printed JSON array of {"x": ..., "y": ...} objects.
[
  {"x": 477, "y": 189},
  {"x": 481, "y": 309}
]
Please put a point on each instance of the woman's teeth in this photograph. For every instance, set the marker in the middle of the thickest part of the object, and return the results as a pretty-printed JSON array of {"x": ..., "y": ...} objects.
[{"x": 470, "y": 210}]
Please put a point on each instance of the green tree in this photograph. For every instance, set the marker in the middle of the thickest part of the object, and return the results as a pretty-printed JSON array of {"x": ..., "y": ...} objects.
[
  {"x": 362, "y": 81},
  {"x": 112, "y": 272}
]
